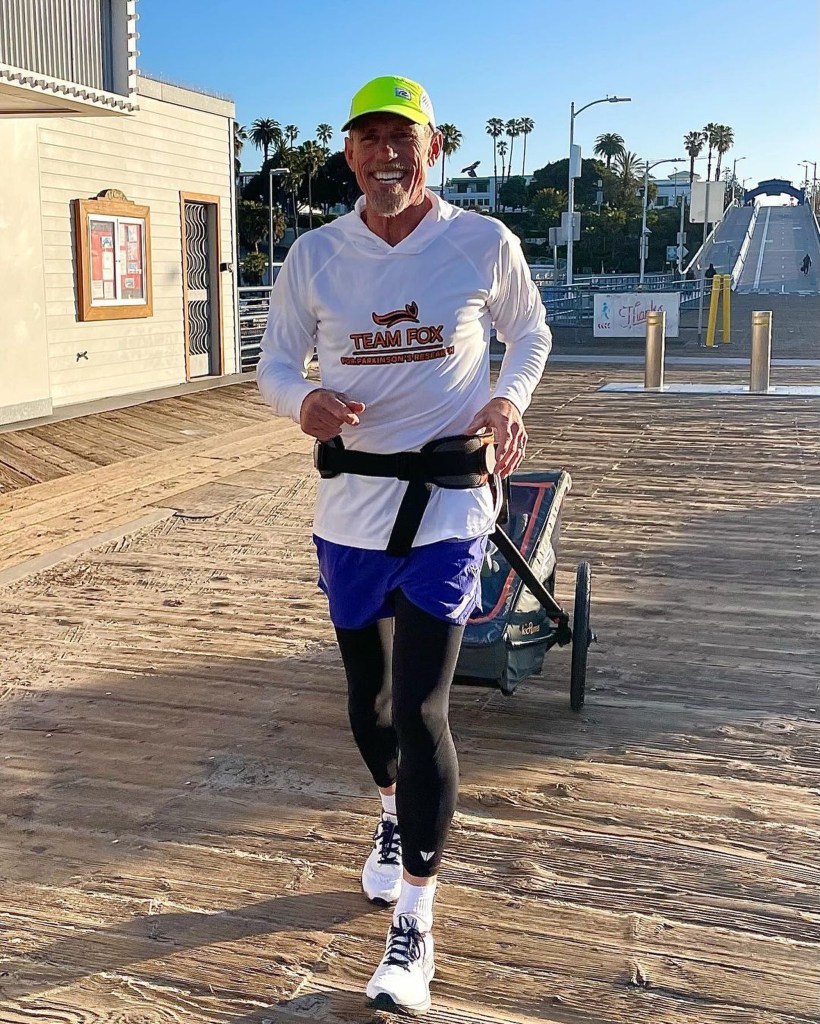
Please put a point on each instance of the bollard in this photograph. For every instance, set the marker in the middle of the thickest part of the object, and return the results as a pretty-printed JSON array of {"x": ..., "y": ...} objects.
[
  {"x": 655, "y": 344},
  {"x": 761, "y": 359}
]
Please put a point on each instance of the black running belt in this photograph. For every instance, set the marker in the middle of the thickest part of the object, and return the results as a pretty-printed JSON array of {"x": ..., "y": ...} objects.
[{"x": 455, "y": 463}]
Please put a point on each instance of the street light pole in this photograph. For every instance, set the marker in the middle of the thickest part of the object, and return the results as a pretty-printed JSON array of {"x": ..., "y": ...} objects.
[
  {"x": 647, "y": 168},
  {"x": 735, "y": 162},
  {"x": 573, "y": 113},
  {"x": 273, "y": 172},
  {"x": 813, "y": 165}
]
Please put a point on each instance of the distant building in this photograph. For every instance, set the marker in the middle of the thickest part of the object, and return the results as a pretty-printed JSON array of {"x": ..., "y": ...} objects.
[
  {"x": 117, "y": 205},
  {"x": 472, "y": 193},
  {"x": 671, "y": 189}
]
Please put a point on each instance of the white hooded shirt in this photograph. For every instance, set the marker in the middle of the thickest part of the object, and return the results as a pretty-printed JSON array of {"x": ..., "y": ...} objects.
[{"x": 405, "y": 330}]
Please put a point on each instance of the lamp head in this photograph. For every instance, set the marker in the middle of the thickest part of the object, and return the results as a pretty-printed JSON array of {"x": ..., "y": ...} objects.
[{"x": 619, "y": 99}]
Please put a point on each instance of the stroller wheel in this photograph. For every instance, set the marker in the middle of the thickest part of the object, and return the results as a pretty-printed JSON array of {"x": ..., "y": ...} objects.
[{"x": 581, "y": 636}]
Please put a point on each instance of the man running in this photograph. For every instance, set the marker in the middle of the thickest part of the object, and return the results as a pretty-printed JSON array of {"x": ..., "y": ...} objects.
[{"x": 398, "y": 298}]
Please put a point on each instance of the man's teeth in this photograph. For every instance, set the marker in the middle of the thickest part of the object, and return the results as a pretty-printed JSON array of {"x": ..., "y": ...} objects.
[{"x": 389, "y": 175}]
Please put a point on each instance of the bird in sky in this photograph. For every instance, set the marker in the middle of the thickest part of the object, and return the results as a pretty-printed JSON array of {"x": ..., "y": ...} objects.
[{"x": 470, "y": 170}]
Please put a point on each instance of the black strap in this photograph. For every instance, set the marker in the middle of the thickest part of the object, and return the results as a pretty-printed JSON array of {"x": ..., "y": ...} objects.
[
  {"x": 409, "y": 516},
  {"x": 430, "y": 466},
  {"x": 461, "y": 465}
]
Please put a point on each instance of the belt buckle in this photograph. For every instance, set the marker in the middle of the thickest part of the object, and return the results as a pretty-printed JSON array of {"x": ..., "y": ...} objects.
[{"x": 320, "y": 452}]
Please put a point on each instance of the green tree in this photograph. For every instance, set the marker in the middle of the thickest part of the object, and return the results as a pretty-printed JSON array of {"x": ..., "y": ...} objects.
[
  {"x": 253, "y": 267},
  {"x": 291, "y": 133},
  {"x": 495, "y": 129},
  {"x": 693, "y": 143},
  {"x": 264, "y": 133},
  {"x": 609, "y": 145},
  {"x": 451, "y": 137},
  {"x": 554, "y": 175},
  {"x": 336, "y": 183},
  {"x": 724, "y": 140},
  {"x": 514, "y": 193},
  {"x": 527, "y": 124},
  {"x": 252, "y": 223},
  {"x": 548, "y": 204}
]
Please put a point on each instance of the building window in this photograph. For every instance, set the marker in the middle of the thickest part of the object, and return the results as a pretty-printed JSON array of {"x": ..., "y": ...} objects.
[{"x": 661, "y": 200}]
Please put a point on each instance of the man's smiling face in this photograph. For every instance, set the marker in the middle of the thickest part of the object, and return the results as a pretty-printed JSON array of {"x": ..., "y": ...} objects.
[{"x": 390, "y": 156}]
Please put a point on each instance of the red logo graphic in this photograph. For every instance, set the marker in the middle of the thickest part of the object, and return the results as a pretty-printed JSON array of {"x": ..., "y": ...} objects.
[{"x": 397, "y": 316}]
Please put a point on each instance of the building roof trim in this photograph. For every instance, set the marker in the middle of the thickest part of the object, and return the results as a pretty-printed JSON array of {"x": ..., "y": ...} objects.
[{"x": 45, "y": 85}]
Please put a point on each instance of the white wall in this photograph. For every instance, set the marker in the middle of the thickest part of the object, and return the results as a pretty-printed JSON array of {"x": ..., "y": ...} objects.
[
  {"x": 178, "y": 141},
  {"x": 24, "y": 384}
]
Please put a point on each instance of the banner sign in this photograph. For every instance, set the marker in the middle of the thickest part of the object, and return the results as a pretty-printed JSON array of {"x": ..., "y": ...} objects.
[{"x": 623, "y": 314}]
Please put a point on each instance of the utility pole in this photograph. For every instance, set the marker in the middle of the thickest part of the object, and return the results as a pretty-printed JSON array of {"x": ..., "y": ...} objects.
[{"x": 274, "y": 172}]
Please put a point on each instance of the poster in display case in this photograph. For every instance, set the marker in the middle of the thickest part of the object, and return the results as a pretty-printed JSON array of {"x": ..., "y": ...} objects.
[{"x": 113, "y": 258}]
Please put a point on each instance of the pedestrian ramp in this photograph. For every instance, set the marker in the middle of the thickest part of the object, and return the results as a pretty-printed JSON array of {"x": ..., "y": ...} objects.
[
  {"x": 724, "y": 246},
  {"x": 780, "y": 239}
]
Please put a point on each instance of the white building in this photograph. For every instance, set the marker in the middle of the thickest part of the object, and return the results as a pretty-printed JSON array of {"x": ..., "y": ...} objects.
[
  {"x": 472, "y": 193},
  {"x": 117, "y": 206},
  {"x": 671, "y": 189}
]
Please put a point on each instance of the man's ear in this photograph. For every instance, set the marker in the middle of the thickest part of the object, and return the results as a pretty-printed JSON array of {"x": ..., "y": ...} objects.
[
  {"x": 436, "y": 145},
  {"x": 349, "y": 153}
]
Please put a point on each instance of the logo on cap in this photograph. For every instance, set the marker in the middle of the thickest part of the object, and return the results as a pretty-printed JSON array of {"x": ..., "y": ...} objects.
[{"x": 405, "y": 94}]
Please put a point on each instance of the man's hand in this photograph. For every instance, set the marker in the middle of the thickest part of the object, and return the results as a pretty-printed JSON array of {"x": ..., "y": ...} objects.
[
  {"x": 502, "y": 417},
  {"x": 324, "y": 413}
]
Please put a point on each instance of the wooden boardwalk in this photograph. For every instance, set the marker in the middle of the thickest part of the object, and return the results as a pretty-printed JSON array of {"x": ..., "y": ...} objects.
[{"x": 184, "y": 813}]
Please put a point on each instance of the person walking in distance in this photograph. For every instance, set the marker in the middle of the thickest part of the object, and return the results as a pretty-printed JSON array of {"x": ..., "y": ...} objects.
[
  {"x": 805, "y": 266},
  {"x": 398, "y": 297}
]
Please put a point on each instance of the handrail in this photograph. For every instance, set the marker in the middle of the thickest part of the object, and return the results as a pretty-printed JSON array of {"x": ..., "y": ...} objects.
[{"x": 740, "y": 262}]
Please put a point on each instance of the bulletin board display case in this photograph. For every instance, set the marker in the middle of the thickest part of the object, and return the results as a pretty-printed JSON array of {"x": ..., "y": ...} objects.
[{"x": 113, "y": 259}]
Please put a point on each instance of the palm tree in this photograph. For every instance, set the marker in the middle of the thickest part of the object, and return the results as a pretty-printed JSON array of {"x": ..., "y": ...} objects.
[
  {"x": 609, "y": 145},
  {"x": 291, "y": 133},
  {"x": 526, "y": 124},
  {"x": 629, "y": 168},
  {"x": 711, "y": 133},
  {"x": 693, "y": 143},
  {"x": 312, "y": 156},
  {"x": 724, "y": 140},
  {"x": 512, "y": 130},
  {"x": 501, "y": 146},
  {"x": 451, "y": 137},
  {"x": 324, "y": 133},
  {"x": 495, "y": 129},
  {"x": 291, "y": 182},
  {"x": 264, "y": 133}
]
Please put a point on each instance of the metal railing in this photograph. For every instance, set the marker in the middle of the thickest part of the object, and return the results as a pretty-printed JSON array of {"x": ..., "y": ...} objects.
[
  {"x": 573, "y": 305},
  {"x": 567, "y": 305},
  {"x": 253, "y": 316}
]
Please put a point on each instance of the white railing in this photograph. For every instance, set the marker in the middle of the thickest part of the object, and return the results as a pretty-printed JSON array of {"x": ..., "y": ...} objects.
[{"x": 740, "y": 263}]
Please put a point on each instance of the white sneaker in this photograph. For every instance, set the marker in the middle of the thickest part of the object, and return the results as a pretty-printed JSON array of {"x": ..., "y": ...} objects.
[
  {"x": 402, "y": 980},
  {"x": 381, "y": 874}
]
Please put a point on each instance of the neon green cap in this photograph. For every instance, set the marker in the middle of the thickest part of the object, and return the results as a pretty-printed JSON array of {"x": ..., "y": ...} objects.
[{"x": 392, "y": 95}]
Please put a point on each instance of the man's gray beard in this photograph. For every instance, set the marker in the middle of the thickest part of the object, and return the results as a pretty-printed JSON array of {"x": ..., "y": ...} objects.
[{"x": 389, "y": 205}]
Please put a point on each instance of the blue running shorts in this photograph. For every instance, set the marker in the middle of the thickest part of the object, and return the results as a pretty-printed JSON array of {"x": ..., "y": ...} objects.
[{"x": 443, "y": 579}]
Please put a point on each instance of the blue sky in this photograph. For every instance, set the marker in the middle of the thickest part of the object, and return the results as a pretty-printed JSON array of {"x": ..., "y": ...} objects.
[{"x": 299, "y": 61}]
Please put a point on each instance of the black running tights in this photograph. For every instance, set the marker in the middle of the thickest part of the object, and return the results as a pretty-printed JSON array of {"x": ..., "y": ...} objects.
[{"x": 399, "y": 674}]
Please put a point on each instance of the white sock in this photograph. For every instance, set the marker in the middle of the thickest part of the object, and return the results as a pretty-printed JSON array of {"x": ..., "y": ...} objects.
[
  {"x": 418, "y": 901},
  {"x": 389, "y": 804}
]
